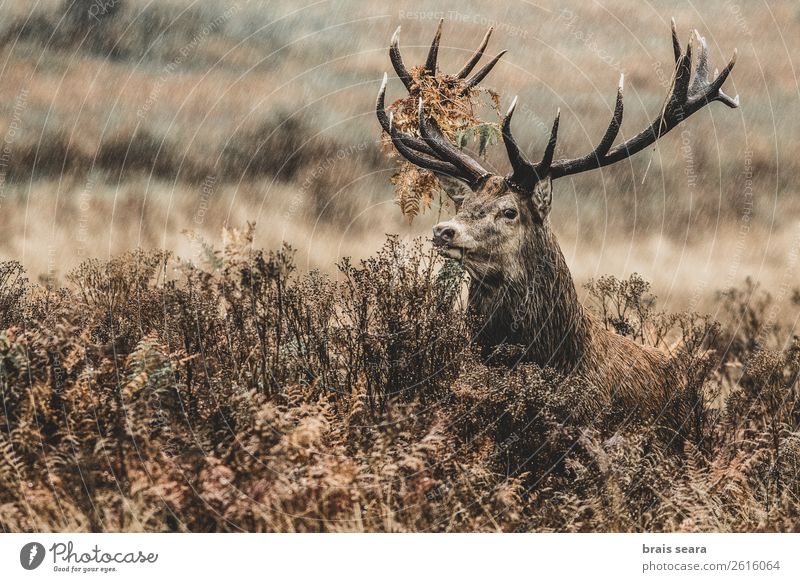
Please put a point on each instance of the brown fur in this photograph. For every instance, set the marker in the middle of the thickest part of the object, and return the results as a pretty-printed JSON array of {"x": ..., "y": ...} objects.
[{"x": 522, "y": 293}]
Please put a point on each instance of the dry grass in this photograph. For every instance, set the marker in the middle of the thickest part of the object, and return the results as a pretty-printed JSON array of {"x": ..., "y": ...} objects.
[
  {"x": 228, "y": 391},
  {"x": 277, "y": 107},
  {"x": 160, "y": 395}
]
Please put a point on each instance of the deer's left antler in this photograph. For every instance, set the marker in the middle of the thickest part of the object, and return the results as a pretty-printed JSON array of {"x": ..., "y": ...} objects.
[{"x": 688, "y": 93}]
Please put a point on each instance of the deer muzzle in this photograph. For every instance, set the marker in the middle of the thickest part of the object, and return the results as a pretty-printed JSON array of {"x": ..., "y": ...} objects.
[{"x": 447, "y": 239}]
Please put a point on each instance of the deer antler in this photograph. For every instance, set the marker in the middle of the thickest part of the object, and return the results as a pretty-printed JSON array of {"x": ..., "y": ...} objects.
[
  {"x": 525, "y": 174},
  {"x": 434, "y": 151},
  {"x": 433, "y": 55},
  {"x": 684, "y": 99}
]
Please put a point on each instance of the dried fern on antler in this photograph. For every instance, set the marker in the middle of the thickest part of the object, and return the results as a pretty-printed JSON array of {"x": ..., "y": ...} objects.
[{"x": 451, "y": 100}]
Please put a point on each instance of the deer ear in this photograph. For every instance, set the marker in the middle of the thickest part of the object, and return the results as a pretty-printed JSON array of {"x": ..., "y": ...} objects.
[
  {"x": 455, "y": 189},
  {"x": 542, "y": 197}
]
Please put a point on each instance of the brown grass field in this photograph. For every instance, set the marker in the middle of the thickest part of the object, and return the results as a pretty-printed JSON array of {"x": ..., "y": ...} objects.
[{"x": 167, "y": 364}]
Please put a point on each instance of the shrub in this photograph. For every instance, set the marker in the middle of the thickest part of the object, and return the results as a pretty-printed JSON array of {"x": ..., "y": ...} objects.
[{"x": 160, "y": 395}]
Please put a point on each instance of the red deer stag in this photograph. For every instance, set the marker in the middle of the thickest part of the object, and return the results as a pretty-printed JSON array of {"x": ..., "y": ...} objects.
[{"x": 521, "y": 289}]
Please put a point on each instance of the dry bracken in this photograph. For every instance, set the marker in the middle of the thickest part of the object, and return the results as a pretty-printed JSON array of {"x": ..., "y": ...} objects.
[{"x": 152, "y": 394}]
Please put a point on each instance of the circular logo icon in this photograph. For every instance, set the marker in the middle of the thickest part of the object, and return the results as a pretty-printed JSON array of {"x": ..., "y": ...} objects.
[{"x": 31, "y": 555}]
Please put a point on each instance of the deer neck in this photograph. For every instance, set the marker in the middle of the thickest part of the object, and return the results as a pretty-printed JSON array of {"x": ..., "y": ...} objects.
[{"x": 537, "y": 308}]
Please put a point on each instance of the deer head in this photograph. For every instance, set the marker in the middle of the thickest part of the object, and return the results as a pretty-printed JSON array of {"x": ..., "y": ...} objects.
[{"x": 501, "y": 222}]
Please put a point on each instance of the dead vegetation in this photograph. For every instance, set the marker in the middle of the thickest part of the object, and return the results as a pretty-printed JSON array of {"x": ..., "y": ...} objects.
[
  {"x": 454, "y": 106},
  {"x": 151, "y": 394},
  {"x": 154, "y": 394},
  {"x": 201, "y": 82}
]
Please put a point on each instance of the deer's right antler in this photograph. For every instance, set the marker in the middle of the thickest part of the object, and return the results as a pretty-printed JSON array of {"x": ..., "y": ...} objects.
[
  {"x": 433, "y": 55},
  {"x": 433, "y": 151}
]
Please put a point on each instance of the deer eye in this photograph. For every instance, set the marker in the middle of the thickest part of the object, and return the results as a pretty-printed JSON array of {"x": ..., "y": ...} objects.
[{"x": 510, "y": 213}]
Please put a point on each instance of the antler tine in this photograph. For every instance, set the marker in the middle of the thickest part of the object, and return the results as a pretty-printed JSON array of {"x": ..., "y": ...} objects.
[
  {"x": 417, "y": 159},
  {"x": 676, "y": 44},
  {"x": 715, "y": 86},
  {"x": 515, "y": 155},
  {"x": 481, "y": 74},
  {"x": 522, "y": 171},
  {"x": 684, "y": 99},
  {"x": 433, "y": 53},
  {"x": 597, "y": 158},
  {"x": 386, "y": 123},
  {"x": 543, "y": 167},
  {"x": 434, "y": 137},
  {"x": 397, "y": 60},
  {"x": 380, "y": 105},
  {"x": 725, "y": 72},
  {"x": 683, "y": 73},
  {"x": 616, "y": 122},
  {"x": 470, "y": 64},
  {"x": 701, "y": 71},
  {"x": 701, "y": 80}
]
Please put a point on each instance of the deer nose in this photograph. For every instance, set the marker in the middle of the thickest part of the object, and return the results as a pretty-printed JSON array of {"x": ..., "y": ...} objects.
[{"x": 443, "y": 233}]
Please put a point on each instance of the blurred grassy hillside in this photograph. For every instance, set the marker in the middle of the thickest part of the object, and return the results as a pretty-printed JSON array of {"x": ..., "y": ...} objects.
[{"x": 141, "y": 124}]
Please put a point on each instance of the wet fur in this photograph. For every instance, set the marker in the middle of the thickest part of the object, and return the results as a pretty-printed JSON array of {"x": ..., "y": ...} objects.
[{"x": 522, "y": 293}]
